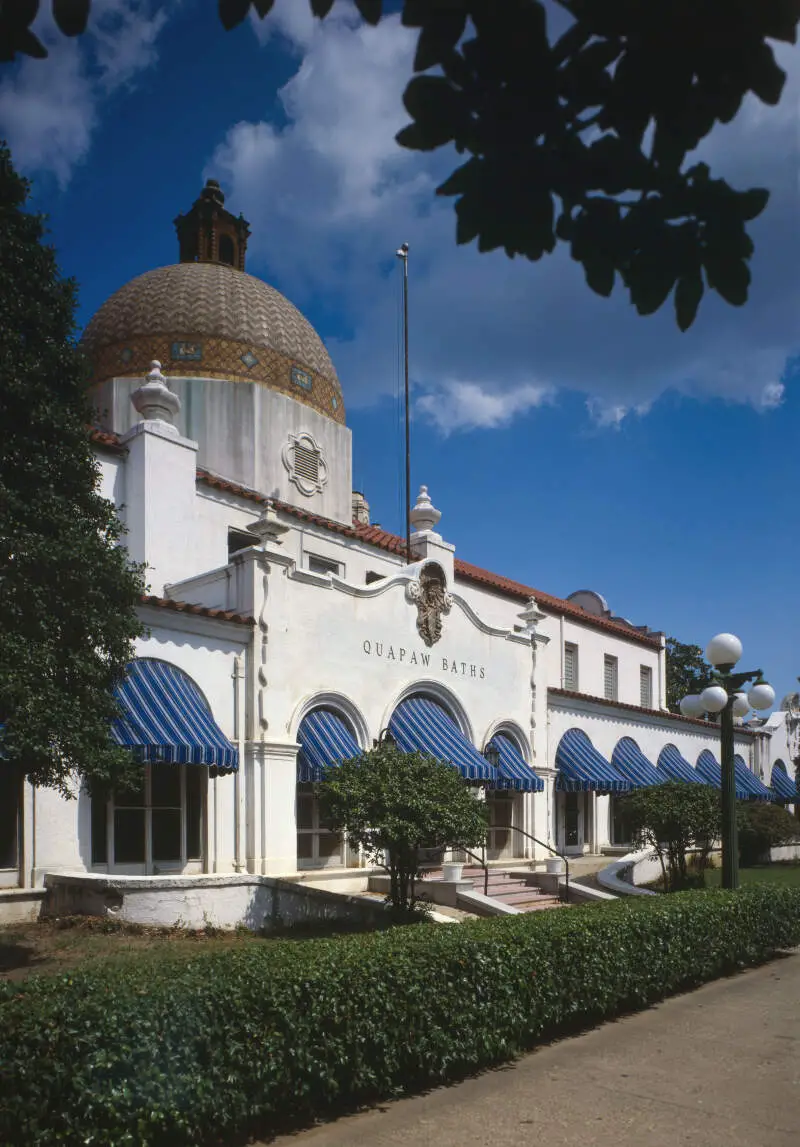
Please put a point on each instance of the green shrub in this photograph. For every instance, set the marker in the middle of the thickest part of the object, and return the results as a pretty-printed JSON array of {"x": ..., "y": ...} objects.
[
  {"x": 188, "y": 1051},
  {"x": 762, "y": 826}
]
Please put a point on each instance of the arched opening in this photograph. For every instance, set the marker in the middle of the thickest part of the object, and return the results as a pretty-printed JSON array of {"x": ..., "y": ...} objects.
[
  {"x": 326, "y": 737},
  {"x": 167, "y": 724},
  {"x": 227, "y": 250}
]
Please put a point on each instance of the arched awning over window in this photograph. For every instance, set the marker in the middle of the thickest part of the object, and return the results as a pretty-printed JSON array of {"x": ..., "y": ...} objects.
[
  {"x": 676, "y": 768},
  {"x": 629, "y": 760},
  {"x": 165, "y": 717},
  {"x": 784, "y": 788},
  {"x": 513, "y": 771},
  {"x": 419, "y": 724},
  {"x": 749, "y": 781},
  {"x": 325, "y": 740},
  {"x": 708, "y": 766},
  {"x": 582, "y": 768}
]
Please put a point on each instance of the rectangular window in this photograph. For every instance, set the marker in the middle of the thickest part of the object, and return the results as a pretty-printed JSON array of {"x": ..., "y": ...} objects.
[
  {"x": 240, "y": 540},
  {"x": 160, "y": 822},
  {"x": 317, "y": 846},
  {"x": 610, "y": 677},
  {"x": 10, "y": 788},
  {"x": 645, "y": 686},
  {"x": 322, "y": 565},
  {"x": 570, "y": 666}
]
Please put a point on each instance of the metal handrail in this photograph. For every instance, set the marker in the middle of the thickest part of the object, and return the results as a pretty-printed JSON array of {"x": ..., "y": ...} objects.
[
  {"x": 549, "y": 848},
  {"x": 482, "y": 863}
]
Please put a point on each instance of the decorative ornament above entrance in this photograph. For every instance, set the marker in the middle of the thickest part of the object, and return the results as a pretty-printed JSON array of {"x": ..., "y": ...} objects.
[{"x": 432, "y": 600}]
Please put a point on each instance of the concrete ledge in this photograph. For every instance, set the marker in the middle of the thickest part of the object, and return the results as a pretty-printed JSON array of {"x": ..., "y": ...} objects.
[
  {"x": 471, "y": 901},
  {"x": 619, "y": 877},
  {"x": 20, "y": 905},
  {"x": 261, "y": 903},
  {"x": 581, "y": 894},
  {"x": 432, "y": 891}
]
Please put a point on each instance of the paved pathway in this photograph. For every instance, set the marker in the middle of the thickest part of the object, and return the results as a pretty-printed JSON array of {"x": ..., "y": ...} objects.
[{"x": 718, "y": 1067}]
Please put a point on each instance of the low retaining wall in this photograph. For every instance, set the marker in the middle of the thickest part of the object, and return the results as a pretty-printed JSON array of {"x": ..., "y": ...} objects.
[
  {"x": 261, "y": 903},
  {"x": 785, "y": 852},
  {"x": 20, "y": 905}
]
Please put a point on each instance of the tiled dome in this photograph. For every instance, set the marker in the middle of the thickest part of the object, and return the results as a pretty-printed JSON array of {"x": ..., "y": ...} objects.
[{"x": 212, "y": 320}]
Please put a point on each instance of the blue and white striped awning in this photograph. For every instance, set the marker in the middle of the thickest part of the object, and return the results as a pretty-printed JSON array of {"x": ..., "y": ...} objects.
[
  {"x": 325, "y": 740},
  {"x": 783, "y": 786},
  {"x": 513, "y": 771},
  {"x": 676, "y": 768},
  {"x": 582, "y": 768},
  {"x": 165, "y": 717},
  {"x": 419, "y": 725},
  {"x": 749, "y": 781},
  {"x": 708, "y": 766},
  {"x": 629, "y": 760}
]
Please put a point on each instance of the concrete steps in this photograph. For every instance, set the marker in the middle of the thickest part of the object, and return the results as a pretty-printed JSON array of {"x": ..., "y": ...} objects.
[{"x": 510, "y": 886}]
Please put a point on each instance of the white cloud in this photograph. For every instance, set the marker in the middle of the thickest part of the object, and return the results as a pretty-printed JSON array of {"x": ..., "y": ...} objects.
[
  {"x": 771, "y": 396},
  {"x": 330, "y": 196},
  {"x": 50, "y": 108},
  {"x": 469, "y": 406}
]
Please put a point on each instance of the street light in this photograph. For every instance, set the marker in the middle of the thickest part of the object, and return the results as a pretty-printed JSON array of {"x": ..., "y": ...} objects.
[
  {"x": 385, "y": 737},
  {"x": 492, "y": 754},
  {"x": 723, "y": 694}
]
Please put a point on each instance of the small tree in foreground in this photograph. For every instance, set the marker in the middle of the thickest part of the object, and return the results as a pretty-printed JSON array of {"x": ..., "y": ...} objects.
[
  {"x": 763, "y": 826},
  {"x": 673, "y": 819},
  {"x": 393, "y": 804}
]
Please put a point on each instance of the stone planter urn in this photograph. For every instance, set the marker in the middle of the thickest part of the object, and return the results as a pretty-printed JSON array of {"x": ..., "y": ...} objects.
[
  {"x": 452, "y": 871},
  {"x": 554, "y": 865}
]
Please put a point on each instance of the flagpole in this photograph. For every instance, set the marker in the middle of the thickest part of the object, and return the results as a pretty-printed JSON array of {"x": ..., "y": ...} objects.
[{"x": 402, "y": 253}]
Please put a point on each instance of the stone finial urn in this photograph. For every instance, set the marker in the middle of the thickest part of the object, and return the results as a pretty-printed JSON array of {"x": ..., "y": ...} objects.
[
  {"x": 424, "y": 515},
  {"x": 154, "y": 400}
]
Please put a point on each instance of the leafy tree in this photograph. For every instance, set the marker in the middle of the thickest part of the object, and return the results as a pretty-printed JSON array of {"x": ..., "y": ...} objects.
[
  {"x": 580, "y": 139},
  {"x": 67, "y": 592},
  {"x": 687, "y": 670},
  {"x": 673, "y": 819},
  {"x": 762, "y": 826},
  {"x": 393, "y": 804}
]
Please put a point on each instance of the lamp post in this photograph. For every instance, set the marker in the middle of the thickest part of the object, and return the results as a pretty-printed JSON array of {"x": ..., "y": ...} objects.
[
  {"x": 385, "y": 737},
  {"x": 724, "y": 695}
]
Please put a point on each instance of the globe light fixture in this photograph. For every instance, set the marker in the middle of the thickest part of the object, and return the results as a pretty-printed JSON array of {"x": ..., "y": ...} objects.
[
  {"x": 723, "y": 651},
  {"x": 725, "y": 694},
  {"x": 714, "y": 699},
  {"x": 741, "y": 704},
  {"x": 762, "y": 695},
  {"x": 692, "y": 706}
]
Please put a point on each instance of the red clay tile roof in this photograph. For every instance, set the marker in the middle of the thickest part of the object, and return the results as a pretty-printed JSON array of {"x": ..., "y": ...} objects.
[
  {"x": 392, "y": 543},
  {"x": 107, "y": 441},
  {"x": 679, "y": 717},
  {"x": 197, "y": 610}
]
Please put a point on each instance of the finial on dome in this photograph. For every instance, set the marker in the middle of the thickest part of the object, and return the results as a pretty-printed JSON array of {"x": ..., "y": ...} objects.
[
  {"x": 424, "y": 515},
  {"x": 154, "y": 400}
]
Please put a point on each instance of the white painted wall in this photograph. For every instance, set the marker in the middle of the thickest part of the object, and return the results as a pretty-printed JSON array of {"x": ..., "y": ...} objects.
[{"x": 241, "y": 429}]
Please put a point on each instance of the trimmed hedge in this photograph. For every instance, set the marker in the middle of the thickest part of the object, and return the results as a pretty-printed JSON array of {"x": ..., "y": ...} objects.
[{"x": 186, "y": 1051}]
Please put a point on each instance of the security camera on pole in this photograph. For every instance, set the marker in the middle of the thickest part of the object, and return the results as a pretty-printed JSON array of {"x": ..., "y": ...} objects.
[{"x": 724, "y": 695}]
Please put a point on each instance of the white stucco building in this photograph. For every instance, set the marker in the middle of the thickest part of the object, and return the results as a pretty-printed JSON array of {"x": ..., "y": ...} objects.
[{"x": 289, "y": 625}]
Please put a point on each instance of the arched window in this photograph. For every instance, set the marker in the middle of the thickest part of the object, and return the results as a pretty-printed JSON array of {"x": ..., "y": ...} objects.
[
  {"x": 227, "y": 251},
  {"x": 326, "y": 738}
]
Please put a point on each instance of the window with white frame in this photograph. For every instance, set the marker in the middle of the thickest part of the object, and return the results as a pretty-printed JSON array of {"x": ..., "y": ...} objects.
[
  {"x": 155, "y": 828},
  {"x": 645, "y": 686},
  {"x": 10, "y": 810},
  {"x": 317, "y": 564},
  {"x": 317, "y": 845},
  {"x": 570, "y": 666},
  {"x": 610, "y": 677}
]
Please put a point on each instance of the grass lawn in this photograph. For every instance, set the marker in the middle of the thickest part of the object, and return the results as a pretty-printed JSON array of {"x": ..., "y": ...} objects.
[
  {"x": 785, "y": 875},
  {"x": 53, "y": 946}
]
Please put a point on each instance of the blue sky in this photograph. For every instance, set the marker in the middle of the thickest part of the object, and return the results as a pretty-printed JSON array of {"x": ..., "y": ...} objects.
[{"x": 568, "y": 443}]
